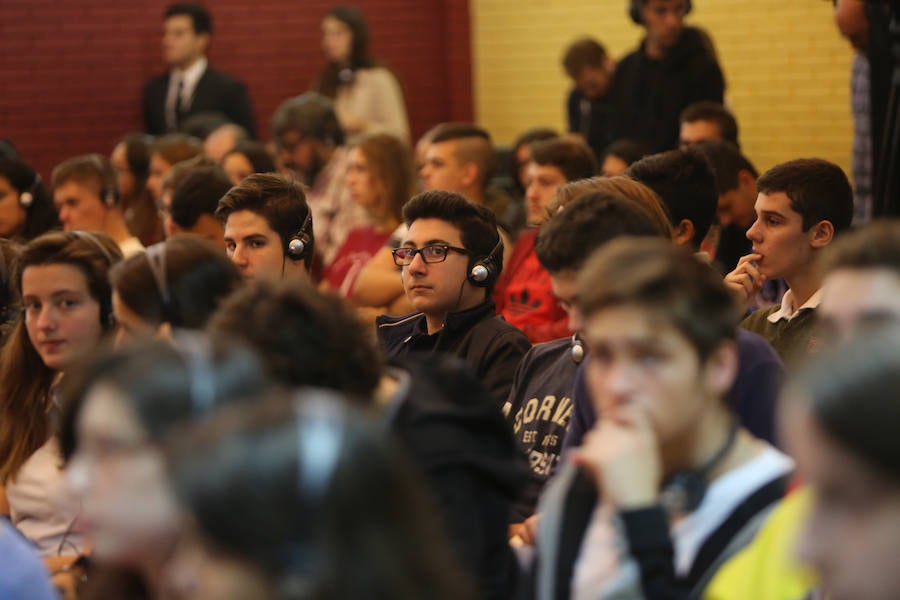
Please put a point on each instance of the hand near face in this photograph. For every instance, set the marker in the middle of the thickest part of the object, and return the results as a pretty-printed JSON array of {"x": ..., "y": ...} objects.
[
  {"x": 621, "y": 454},
  {"x": 746, "y": 280}
]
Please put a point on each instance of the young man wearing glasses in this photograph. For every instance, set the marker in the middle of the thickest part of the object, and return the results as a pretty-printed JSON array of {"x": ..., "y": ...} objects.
[{"x": 449, "y": 262}]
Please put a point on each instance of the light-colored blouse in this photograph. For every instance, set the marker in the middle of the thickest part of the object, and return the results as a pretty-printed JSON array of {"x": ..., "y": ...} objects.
[{"x": 376, "y": 98}]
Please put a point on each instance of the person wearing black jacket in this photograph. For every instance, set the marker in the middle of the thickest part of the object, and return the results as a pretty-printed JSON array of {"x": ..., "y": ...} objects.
[
  {"x": 674, "y": 66},
  {"x": 191, "y": 87},
  {"x": 450, "y": 260}
]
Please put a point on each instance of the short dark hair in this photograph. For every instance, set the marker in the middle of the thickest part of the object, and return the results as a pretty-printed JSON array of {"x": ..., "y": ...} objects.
[
  {"x": 627, "y": 149},
  {"x": 875, "y": 245},
  {"x": 727, "y": 162},
  {"x": 714, "y": 112},
  {"x": 573, "y": 158},
  {"x": 197, "y": 276},
  {"x": 666, "y": 279},
  {"x": 256, "y": 153},
  {"x": 476, "y": 223},
  {"x": 567, "y": 240},
  {"x": 583, "y": 52},
  {"x": 198, "y": 194},
  {"x": 276, "y": 198},
  {"x": 200, "y": 17},
  {"x": 475, "y": 146},
  {"x": 305, "y": 337},
  {"x": 93, "y": 171},
  {"x": 819, "y": 190},
  {"x": 311, "y": 115},
  {"x": 685, "y": 183}
]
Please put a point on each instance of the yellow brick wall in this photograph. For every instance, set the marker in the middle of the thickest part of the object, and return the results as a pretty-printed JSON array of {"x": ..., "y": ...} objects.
[{"x": 787, "y": 68}]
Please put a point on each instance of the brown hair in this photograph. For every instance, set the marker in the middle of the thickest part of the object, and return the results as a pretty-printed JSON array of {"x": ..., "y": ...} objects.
[
  {"x": 620, "y": 185},
  {"x": 390, "y": 163},
  {"x": 583, "y": 52},
  {"x": 656, "y": 274},
  {"x": 176, "y": 147},
  {"x": 24, "y": 378}
]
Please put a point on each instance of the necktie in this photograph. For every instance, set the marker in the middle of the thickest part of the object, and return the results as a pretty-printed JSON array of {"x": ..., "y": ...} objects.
[{"x": 179, "y": 103}]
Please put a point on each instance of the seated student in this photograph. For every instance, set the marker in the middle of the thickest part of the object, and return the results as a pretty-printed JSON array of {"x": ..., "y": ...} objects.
[
  {"x": 26, "y": 209},
  {"x": 178, "y": 283},
  {"x": 667, "y": 479},
  {"x": 860, "y": 295},
  {"x": 310, "y": 143},
  {"x": 380, "y": 178},
  {"x": 522, "y": 154},
  {"x": 435, "y": 407},
  {"x": 540, "y": 401},
  {"x": 295, "y": 469},
  {"x": 686, "y": 184},
  {"x": 191, "y": 205},
  {"x": 166, "y": 152},
  {"x": 707, "y": 121},
  {"x": 736, "y": 182},
  {"x": 172, "y": 180},
  {"x": 589, "y": 113},
  {"x": 118, "y": 409},
  {"x": 86, "y": 199},
  {"x": 247, "y": 158},
  {"x": 620, "y": 155},
  {"x": 130, "y": 159},
  {"x": 842, "y": 415},
  {"x": 268, "y": 227},
  {"x": 449, "y": 262},
  {"x": 802, "y": 205},
  {"x": 460, "y": 158},
  {"x": 523, "y": 295},
  {"x": 65, "y": 297}
]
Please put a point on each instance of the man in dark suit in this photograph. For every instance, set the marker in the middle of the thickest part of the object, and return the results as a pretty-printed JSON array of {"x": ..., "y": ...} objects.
[{"x": 191, "y": 87}]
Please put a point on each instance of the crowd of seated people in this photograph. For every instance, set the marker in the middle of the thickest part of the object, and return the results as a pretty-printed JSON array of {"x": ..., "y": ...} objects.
[{"x": 339, "y": 365}]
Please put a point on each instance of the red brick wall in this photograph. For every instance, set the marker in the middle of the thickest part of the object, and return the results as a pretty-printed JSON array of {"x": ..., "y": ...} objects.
[{"x": 71, "y": 71}]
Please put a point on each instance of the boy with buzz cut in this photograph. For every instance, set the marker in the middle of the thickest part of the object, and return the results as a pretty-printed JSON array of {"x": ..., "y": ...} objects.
[
  {"x": 450, "y": 259},
  {"x": 667, "y": 482},
  {"x": 268, "y": 227},
  {"x": 801, "y": 206}
]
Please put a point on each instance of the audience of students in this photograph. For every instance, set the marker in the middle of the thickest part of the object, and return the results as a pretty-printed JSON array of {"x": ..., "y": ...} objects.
[{"x": 359, "y": 412}]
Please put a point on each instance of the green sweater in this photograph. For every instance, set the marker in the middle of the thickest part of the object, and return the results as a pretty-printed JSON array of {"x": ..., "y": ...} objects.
[{"x": 792, "y": 340}]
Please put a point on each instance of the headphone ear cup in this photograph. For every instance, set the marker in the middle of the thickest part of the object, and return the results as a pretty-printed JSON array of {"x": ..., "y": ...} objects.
[{"x": 26, "y": 199}]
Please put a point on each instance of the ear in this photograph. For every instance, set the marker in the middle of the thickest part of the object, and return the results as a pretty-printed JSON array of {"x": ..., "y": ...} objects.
[
  {"x": 470, "y": 175},
  {"x": 683, "y": 233},
  {"x": 720, "y": 369},
  {"x": 745, "y": 180},
  {"x": 203, "y": 38},
  {"x": 821, "y": 234}
]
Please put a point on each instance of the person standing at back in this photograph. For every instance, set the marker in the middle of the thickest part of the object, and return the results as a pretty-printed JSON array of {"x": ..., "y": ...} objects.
[
  {"x": 191, "y": 87},
  {"x": 674, "y": 66},
  {"x": 366, "y": 94}
]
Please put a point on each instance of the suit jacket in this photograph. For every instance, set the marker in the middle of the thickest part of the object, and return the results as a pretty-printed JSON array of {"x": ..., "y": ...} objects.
[{"x": 215, "y": 92}]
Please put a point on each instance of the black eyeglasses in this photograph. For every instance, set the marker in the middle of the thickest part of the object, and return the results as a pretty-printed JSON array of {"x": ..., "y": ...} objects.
[{"x": 431, "y": 254}]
